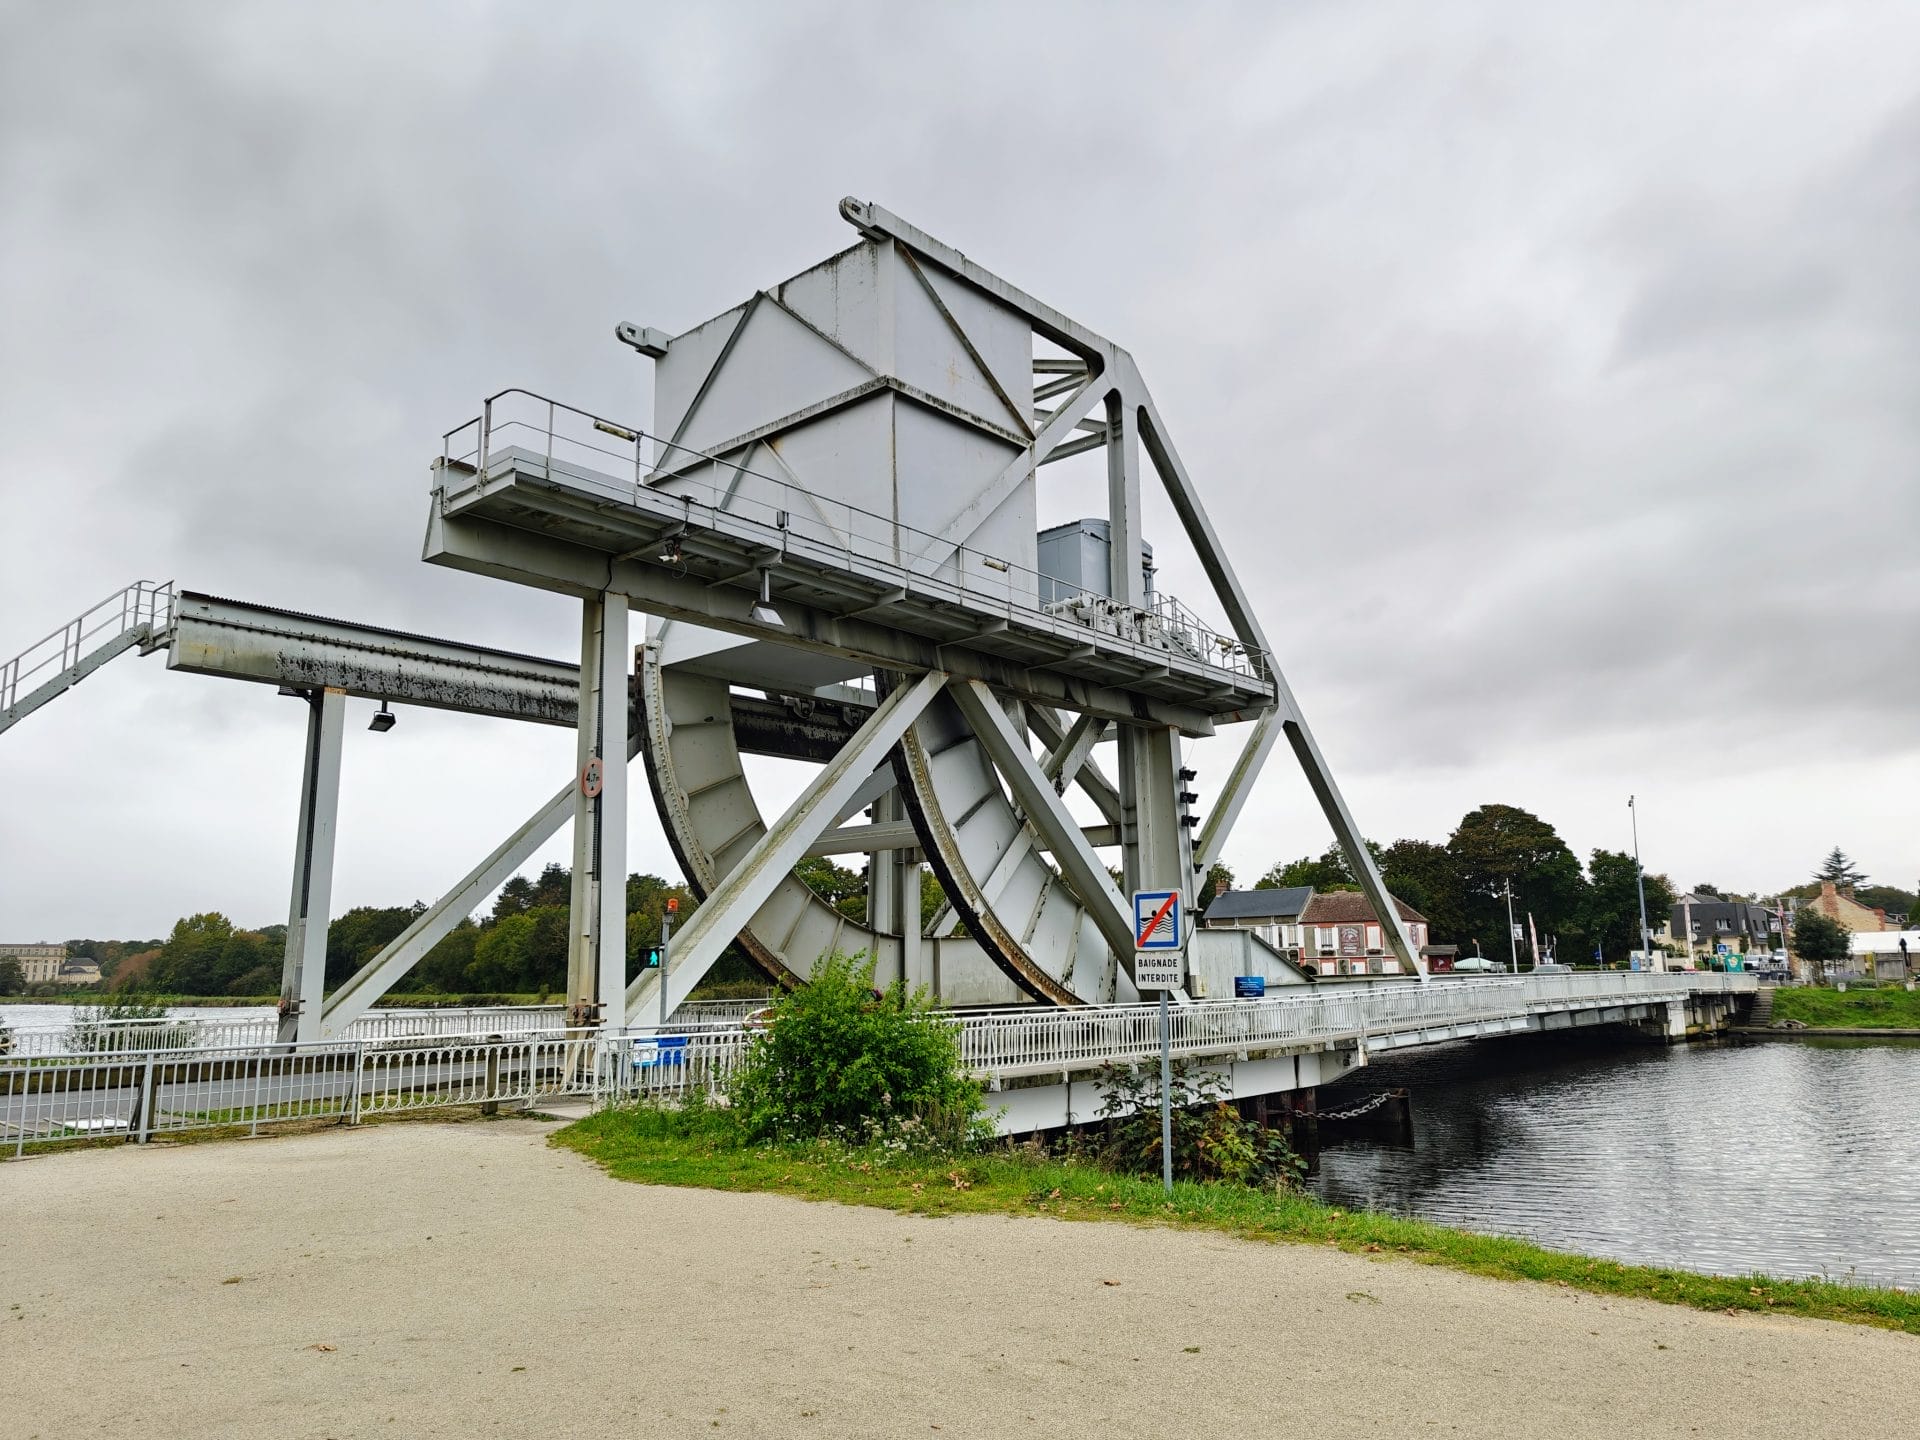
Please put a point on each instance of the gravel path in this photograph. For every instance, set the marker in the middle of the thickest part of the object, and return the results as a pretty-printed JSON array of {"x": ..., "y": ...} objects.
[{"x": 466, "y": 1280}]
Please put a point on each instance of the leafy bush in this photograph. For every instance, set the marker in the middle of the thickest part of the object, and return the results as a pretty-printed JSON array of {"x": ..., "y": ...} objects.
[
  {"x": 839, "y": 1061},
  {"x": 1211, "y": 1140}
]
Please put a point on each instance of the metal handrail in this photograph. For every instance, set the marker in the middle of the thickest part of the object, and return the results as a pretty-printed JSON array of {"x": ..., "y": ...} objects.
[
  {"x": 801, "y": 512},
  {"x": 143, "y": 605}
]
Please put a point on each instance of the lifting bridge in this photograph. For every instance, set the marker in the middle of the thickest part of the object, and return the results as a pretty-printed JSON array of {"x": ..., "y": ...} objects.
[{"x": 831, "y": 526}]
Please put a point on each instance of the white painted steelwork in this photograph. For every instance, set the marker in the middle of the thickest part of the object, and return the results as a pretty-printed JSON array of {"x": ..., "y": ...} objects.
[
  {"x": 840, "y": 487},
  {"x": 184, "y": 1032}
]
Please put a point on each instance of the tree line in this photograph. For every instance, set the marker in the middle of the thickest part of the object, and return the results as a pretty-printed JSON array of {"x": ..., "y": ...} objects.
[
  {"x": 1461, "y": 886},
  {"x": 518, "y": 947}
]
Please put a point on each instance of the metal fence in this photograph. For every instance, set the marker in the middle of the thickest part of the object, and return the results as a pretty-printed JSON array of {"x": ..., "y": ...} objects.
[
  {"x": 84, "y": 1034},
  {"x": 137, "y": 1094},
  {"x": 140, "y": 1095}
]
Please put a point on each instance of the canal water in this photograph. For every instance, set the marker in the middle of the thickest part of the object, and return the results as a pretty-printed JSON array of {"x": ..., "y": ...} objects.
[{"x": 1794, "y": 1158}]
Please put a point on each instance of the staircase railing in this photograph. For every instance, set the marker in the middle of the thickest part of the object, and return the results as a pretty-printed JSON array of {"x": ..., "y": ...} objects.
[{"x": 135, "y": 615}]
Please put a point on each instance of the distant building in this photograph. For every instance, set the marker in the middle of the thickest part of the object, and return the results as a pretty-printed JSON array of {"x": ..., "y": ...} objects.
[
  {"x": 1733, "y": 927},
  {"x": 1333, "y": 932},
  {"x": 39, "y": 964},
  {"x": 1343, "y": 936},
  {"x": 1839, "y": 906},
  {"x": 1273, "y": 915},
  {"x": 80, "y": 972}
]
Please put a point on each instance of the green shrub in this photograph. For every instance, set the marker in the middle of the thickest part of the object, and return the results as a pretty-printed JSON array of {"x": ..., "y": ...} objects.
[
  {"x": 839, "y": 1061},
  {"x": 1211, "y": 1140}
]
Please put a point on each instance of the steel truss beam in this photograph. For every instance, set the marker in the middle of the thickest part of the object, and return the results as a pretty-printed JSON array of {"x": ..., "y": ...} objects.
[
  {"x": 1033, "y": 791},
  {"x": 741, "y": 892},
  {"x": 237, "y": 640},
  {"x": 900, "y": 835},
  {"x": 1068, "y": 756}
]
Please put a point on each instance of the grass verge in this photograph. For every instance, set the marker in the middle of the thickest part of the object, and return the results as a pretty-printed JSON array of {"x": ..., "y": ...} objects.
[
  {"x": 1885, "y": 1007},
  {"x": 700, "y": 1151}
]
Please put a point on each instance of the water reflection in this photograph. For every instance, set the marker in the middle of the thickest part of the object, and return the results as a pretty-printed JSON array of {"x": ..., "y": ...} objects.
[{"x": 1794, "y": 1158}]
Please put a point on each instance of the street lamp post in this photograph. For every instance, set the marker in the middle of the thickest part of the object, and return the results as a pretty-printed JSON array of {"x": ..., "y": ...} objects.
[
  {"x": 1513, "y": 930},
  {"x": 1640, "y": 883}
]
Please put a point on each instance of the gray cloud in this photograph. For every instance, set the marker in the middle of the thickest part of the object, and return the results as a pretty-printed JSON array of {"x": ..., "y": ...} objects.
[{"x": 1550, "y": 373}]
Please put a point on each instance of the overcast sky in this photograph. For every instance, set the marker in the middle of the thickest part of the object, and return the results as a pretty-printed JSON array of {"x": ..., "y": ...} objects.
[{"x": 1553, "y": 372}]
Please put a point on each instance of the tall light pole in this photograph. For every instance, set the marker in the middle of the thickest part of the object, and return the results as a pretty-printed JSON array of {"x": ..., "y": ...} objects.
[
  {"x": 1640, "y": 882},
  {"x": 1513, "y": 930}
]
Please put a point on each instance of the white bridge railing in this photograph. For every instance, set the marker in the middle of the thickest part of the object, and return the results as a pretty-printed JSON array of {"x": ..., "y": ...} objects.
[
  {"x": 137, "y": 1093},
  {"x": 83, "y": 1034},
  {"x": 1014, "y": 1042}
]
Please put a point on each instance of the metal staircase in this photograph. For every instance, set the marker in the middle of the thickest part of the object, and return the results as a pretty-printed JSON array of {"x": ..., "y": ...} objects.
[{"x": 138, "y": 615}]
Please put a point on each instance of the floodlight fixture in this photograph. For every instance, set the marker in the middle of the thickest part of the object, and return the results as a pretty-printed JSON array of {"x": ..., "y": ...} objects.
[
  {"x": 763, "y": 612},
  {"x": 383, "y": 721}
]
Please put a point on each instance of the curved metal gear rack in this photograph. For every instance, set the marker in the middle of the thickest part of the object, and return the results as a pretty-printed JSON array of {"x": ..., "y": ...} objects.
[{"x": 833, "y": 521}]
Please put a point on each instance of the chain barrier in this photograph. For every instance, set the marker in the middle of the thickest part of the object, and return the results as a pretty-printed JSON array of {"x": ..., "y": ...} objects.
[{"x": 1374, "y": 1104}]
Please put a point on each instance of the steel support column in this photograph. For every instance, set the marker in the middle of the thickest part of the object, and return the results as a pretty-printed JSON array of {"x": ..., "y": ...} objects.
[
  {"x": 883, "y": 878},
  {"x": 303, "y": 971},
  {"x": 582, "y": 975},
  {"x": 610, "y": 858},
  {"x": 1154, "y": 842}
]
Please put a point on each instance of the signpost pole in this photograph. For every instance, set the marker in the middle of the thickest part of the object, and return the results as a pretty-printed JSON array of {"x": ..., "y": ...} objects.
[
  {"x": 666, "y": 942},
  {"x": 1166, "y": 1099},
  {"x": 1159, "y": 963}
]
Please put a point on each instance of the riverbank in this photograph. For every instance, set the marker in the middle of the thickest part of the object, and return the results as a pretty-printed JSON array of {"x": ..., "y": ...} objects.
[
  {"x": 502, "y": 1288},
  {"x": 661, "y": 1148},
  {"x": 1858, "y": 1007}
]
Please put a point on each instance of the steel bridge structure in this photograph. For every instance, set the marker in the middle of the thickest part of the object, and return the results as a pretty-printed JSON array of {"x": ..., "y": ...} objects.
[{"x": 831, "y": 525}]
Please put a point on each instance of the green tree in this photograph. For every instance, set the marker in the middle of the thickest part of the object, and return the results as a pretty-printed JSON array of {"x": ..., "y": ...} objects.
[
  {"x": 1890, "y": 898},
  {"x": 1218, "y": 878},
  {"x": 361, "y": 933},
  {"x": 13, "y": 980},
  {"x": 1501, "y": 845},
  {"x": 189, "y": 959},
  {"x": 501, "y": 954},
  {"x": 1841, "y": 870},
  {"x": 1819, "y": 940},
  {"x": 1611, "y": 918},
  {"x": 835, "y": 884},
  {"x": 1427, "y": 877},
  {"x": 515, "y": 898},
  {"x": 1329, "y": 872},
  {"x": 445, "y": 966}
]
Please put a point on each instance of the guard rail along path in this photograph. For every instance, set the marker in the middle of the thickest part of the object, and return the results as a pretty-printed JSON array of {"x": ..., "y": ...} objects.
[{"x": 1040, "y": 1064}]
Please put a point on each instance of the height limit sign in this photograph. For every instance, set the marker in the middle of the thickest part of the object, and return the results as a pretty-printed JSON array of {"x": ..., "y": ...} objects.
[{"x": 1159, "y": 948}]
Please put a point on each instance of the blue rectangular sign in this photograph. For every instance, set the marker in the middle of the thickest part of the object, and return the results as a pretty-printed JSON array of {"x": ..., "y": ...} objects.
[
  {"x": 1156, "y": 920},
  {"x": 1249, "y": 987}
]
